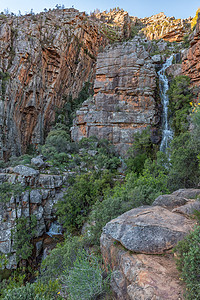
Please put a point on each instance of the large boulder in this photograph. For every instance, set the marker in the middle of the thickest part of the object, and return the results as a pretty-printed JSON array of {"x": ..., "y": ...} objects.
[
  {"x": 25, "y": 171},
  {"x": 150, "y": 230},
  {"x": 137, "y": 246},
  {"x": 169, "y": 201}
]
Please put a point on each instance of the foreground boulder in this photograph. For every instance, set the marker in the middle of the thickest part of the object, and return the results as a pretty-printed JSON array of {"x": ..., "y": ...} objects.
[
  {"x": 137, "y": 246},
  {"x": 151, "y": 230}
]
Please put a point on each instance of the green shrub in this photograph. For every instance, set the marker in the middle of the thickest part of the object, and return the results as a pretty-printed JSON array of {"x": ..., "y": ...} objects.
[
  {"x": 188, "y": 263},
  {"x": 141, "y": 149},
  {"x": 61, "y": 258},
  {"x": 7, "y": 190},
  {"x": 136, "y": 191},
  {"x": 179, "y": 103},
  {"x": 34, "y": 291},
  {"x": 76, "y": 204},
  {"x": 22, "y": 235},
  {"x": 184, "y": 171},
  {"x": 84, "y": 281}
]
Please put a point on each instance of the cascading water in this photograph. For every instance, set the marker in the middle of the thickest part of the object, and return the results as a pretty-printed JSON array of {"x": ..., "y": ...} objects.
[{"x": 167, "y": 133}]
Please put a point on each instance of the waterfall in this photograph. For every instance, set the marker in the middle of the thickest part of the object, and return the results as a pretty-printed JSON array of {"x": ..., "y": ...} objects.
[
  {"x": 167, "y": 133},
  {"x": 55, "y": 229}
]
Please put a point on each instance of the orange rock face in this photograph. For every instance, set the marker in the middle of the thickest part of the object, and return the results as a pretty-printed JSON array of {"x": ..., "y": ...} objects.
[
  {"x": 124, "y": 99},
  {"x": 190, "y": 64},
  {"x": 42, "y": 58}
]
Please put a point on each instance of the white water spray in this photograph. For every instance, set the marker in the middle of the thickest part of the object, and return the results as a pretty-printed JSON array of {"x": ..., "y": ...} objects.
[{"x": 167, "y": 133}]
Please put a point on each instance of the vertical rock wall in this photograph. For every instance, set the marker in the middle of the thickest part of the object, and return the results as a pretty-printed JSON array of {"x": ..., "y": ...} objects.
[
  {"x": 124, "y": 99},
  {"x": 42, "y": 58}
]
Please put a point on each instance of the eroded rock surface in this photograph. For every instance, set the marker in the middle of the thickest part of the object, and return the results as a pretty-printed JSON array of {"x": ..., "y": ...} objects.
[
  {"x": 191, "y": 64},
  {"x": 150, "y": 230},
  {"x": 45, "y": 191},
  {"x": 124, "y": 99},
  {"x": 42, "y": 58}
]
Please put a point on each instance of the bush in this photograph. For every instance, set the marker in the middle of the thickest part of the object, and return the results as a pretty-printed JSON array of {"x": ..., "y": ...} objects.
[
  {"x": 76, "y": 204},
  {"x": 188, "y": 263},
  {"x": 141, "y": 149},
  {"x": 61, "y": 258},
  {"x": 179, "y": 105},
  {"x": 34, "y": 291},
  {"x": 184, "y": 171},
  {"x": 22, "y": 235},
  {"x": 84, "y": 281},
  {"x": 7, "y": 190},
  {"x": 136, "y": 191}
]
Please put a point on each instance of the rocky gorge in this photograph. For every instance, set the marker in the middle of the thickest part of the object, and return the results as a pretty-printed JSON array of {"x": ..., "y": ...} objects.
[{"x": 109, "y": 161}]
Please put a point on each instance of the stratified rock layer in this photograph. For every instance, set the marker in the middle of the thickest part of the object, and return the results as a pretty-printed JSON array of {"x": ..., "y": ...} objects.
[
  {"x": 191, "y": 61},
  {"x": 42, "y": 58},
  {"x": 168, "y": 28},
  {"x": 124, "y": 100},
  {"x": 130, "y": 245},
  {"x": 44, "y": 191}
]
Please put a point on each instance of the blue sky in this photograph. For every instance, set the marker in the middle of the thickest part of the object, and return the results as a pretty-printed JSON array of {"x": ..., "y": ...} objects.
[{"x": 139, "y": 8}]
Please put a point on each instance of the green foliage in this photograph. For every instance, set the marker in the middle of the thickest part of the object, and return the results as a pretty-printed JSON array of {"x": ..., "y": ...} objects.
[
  {"x": 3, "y": 260},
  {"x": 66, "y": 114},
  {"x": 188, "y": 263},
  {"x": 16, "y": 280},
  {"x": 141, "y": 149},
  {"x": 7, "y": 190},
  {"x": 137, "y": 190},
  {"x": 186, "y": 42},
  {"x": 60, "y": 259},
  {"x": 84, "y": 281},
  {"x": 179, "y": 98},
  {"x": 21, "y": 160},
  {"x": 22, "y": 235},
  {"x": 76, "y": 204},
  {"x": 35, "y": 291},
  {"x": 184, "y": 171}
]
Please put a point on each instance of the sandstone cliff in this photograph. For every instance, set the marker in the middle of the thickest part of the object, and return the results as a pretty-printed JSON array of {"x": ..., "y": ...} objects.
[
  {"x": 168, "y": 28},
  {"x": 190, "y": 64},
  {"x": 124, "y": 99},
  {"x": 47, "y": 56},
  {"x": 42, "y": 57}
]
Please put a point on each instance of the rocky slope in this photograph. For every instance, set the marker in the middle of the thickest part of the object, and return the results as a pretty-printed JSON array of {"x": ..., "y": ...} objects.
[
  {"x": 124, "y": 100},
  {"x": 168, "y": 28},
  {"x": 137, "y": 245},
  {"x": 41, "y": 192}
]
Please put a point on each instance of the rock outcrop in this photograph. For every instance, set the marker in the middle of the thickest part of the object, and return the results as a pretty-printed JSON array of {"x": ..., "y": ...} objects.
[
  {"x": 191, "y": 64},
  {"x": 124, "y": 99},
  {"x": 43, "y": 192},
  {"x": 132, "y": 243},
  {"x": 42, "y": 58},
  {"x": 168, "y": 28}
]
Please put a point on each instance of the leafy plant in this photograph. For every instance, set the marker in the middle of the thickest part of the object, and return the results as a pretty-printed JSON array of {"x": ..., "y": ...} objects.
[
  {"x": 76, "y": 204},
  {"x": 180, "y": 97},
  {"x": 141, "y": 149},
  {"x": 188, "y": 263},
  {"x": 22, "y": 236},
  {"x": 85, "y": 281},
  {"x": 7, "y": 190}
]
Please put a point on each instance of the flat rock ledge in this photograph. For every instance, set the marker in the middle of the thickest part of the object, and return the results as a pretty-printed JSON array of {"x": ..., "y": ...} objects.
[{"x": 137, "y": 246}]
